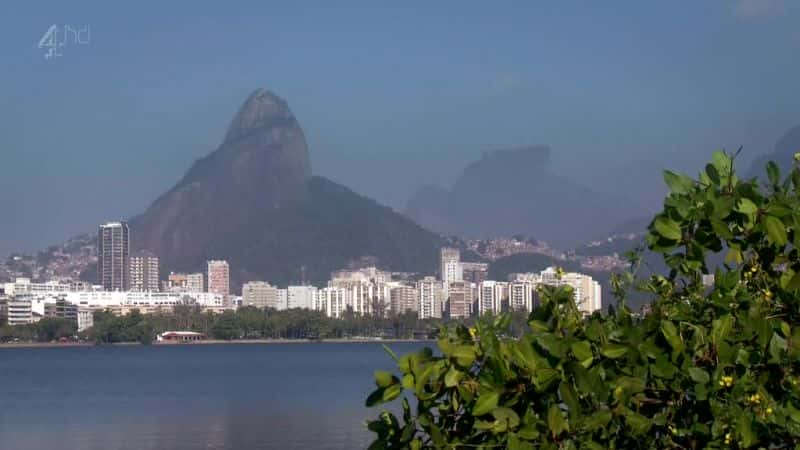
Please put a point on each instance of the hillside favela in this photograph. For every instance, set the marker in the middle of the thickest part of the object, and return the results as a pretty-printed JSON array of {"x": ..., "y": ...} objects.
[{"x": 421, "y": 226}]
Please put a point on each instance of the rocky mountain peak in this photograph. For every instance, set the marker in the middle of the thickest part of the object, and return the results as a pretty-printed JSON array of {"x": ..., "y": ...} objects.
[{"x": 262, "y": 109}]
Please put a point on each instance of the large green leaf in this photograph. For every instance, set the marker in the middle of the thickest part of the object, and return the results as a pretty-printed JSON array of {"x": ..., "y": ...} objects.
[
  {"x": 582, "y": 350},
  {"x": 555, "y": 420},
  {"x": 699, "y": 375},
  {"x": 720, "y": 328},
  {"x": 773, "y": 173},
  {"x": 678, "y": 183},
  {"x": 746, "y": 206},
  {"x": 670, "y": 333},
  {"x": 667, "y": 228},
  {"x": 486, "y": 402},
  {"x": 614, "y": 351},
  {"x": 383, "y": 378},
  {"x": 776, "y": 230},
  {"x": 452, "y": 377}
]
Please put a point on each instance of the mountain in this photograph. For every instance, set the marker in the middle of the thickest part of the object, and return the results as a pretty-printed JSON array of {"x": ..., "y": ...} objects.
[
  {"x": 514, "y": 191},
  {"x": 254, "y": 202},
  {"x": 783, "y": 154}
]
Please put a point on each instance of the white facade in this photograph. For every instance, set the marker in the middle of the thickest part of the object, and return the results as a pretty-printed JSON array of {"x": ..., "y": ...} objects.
[
  {"x": 492, "y": 296},
  {"x": 85, "y": 318},
  {"x": 20, "y": 309},
  {"x": 430, "y": 298},
  {"x": 260, "y": 294},
  {"x": 331, "y": 301},
  {"x": 520, "y": 296},
  {"x": 144, "y": 273},
  {"x": 300, "y": 297},
  {"x": 25, "y": 286},
  {"x": 450, "y": 265},
  {"x": 586, "y": 291},
  {"x": 108, "y": 299}
]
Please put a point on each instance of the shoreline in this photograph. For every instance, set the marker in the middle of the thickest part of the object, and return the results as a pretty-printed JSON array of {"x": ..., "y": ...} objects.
[{"x": 213, "y": 342}]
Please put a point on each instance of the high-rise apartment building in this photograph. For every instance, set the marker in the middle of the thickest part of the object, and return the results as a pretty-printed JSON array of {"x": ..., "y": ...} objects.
[
  {"x": 459, "y": 301},
  {"x": 259, "y": 294},
  {"x": 194, "y": 282},
  {"x": 492, "y": 297},
  {"x": 331, "y": 301},
  {"x": 450, "y": 265},
  {"x": 403, "y": 299},
  {"x": 430, "y": 298},
  {"x": 144, "y": 273},
  {"x": 219, "y": 277},
  {"x": 300, "y": 297},
  {"x": 113, "y": 256},
  {"x": 521, "y": 296}
]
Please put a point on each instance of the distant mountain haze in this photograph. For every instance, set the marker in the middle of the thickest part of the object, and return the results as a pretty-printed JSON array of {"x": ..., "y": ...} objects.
[
  {"x": 254, "y": 202},
  {"x": 783, "y": 154},
  {"x": 514, "y": 191}
]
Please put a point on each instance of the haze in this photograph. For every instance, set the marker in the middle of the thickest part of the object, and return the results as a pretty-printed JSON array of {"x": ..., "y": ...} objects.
[{"x": 390, "y": 99}]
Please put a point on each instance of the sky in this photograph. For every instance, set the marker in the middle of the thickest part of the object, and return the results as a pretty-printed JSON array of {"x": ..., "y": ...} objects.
[{"x": 390, "y": 97}]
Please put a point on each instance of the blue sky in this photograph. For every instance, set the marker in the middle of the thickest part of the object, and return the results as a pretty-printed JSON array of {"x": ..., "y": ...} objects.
[{"x": 390, "y": 97}]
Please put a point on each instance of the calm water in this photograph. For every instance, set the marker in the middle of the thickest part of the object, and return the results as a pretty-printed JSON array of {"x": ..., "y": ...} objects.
[{"x": 292, "y": 396}]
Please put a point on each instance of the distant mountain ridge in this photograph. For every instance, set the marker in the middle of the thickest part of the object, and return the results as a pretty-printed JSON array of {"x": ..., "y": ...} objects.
[
  {"x": 254, "y": 202},
  {"x": 782, "y": 154},
  {"x": 514, "y": 191}
]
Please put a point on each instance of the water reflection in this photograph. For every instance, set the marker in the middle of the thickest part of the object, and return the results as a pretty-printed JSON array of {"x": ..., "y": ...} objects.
[{"x": 189, "y": 397}]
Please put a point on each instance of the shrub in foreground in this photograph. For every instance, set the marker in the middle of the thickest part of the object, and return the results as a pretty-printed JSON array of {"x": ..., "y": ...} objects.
[{"x": 707, "y": 367}]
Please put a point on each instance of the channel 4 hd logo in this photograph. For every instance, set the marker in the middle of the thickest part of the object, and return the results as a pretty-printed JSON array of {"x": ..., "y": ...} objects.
[{"x": 57, "y": 38}]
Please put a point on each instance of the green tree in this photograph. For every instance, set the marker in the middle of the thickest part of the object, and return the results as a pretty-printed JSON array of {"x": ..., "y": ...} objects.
[{"x": 710, "y": 366}]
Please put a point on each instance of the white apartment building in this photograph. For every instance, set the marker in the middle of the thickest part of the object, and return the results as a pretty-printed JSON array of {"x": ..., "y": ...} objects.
[
  {"x": 110, "y": 299},
  {"x": 300, "y": 297},
  {"x": 20, "y": 309},
  {"x": 586, "y": 291},
  {"x": 331, "y": 301},
  {"x": 403, "y": 298},
  {"x": 261, "y": 295},
  {"x": 25, "y": 286},
  {"x": 144, "y": 273},
  {"x": 521, "y": 295},
  {"x": 430, "y": 298},
  {"x": 492, "y": 297},
  {"x": 450, "y": 261}
]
